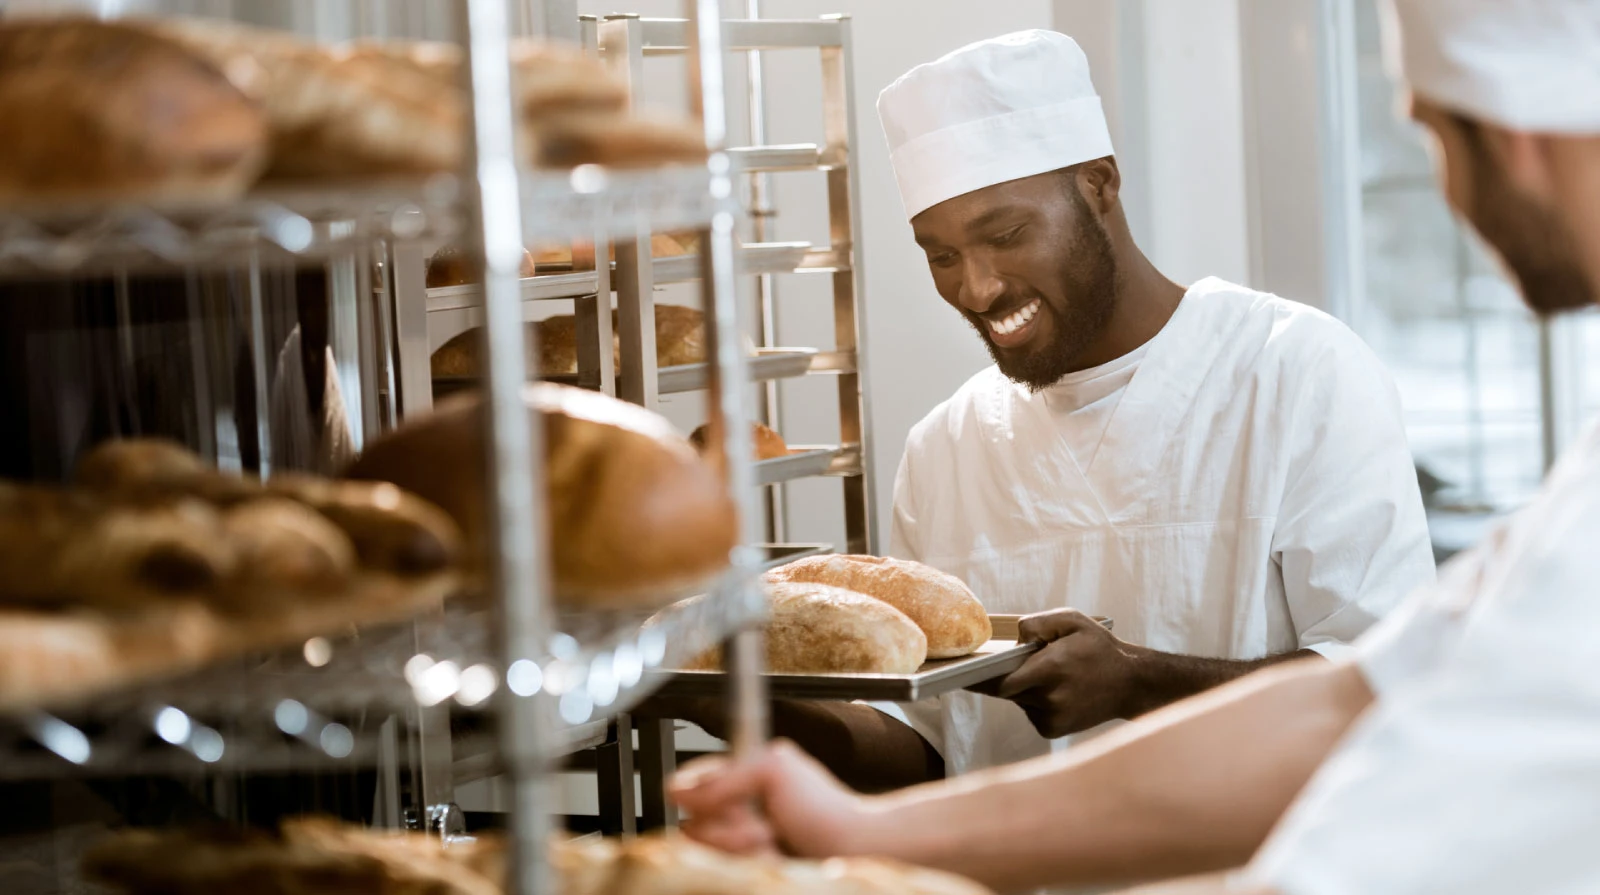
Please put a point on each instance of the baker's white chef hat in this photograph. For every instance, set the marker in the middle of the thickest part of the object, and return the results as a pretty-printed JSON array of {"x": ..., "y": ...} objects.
[
  {"x": 1528, "y": 65},
  {"x": 993, "y": 111}
]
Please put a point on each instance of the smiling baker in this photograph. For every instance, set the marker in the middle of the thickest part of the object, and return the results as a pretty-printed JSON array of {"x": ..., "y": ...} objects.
[{"x": 1222, "y": 472}]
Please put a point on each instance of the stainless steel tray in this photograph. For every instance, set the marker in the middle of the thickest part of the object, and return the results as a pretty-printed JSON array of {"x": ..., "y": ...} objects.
[
  {"x": 998, "y": 657},
  {"x": 800, "y": 463},
  {"x": 766, "y": 363}
]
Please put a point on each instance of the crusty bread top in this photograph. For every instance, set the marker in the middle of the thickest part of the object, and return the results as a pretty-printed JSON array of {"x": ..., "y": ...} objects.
[
  {"x": 818, "y": 629},
  {"x": 321, "y": 855},
  {"x": 634, "y": 512},
  {"x": 106, "y": 110},
  {"x": 680, "y": 339},
  {"x": 944, "y": 607}
]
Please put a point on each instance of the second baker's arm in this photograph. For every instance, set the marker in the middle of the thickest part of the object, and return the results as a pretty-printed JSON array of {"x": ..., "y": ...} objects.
[
  {"x": 863, "y": 747},
  {"x": 1191, "y": 788}
]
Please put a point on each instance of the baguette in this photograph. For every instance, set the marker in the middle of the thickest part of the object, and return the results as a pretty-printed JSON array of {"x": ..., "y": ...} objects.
[
  {"x": 633, "y": 513},
  {"x": 942, "y": 606},
  {"x": 818, "y": 629}
]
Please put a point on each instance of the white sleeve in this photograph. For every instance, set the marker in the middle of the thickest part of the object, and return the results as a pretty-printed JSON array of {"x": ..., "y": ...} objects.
[
  {"x": 1351, "y": 538},
  {"x": 1473, "y": 783},
  {"x": 1478, "y": 771},
  {"x": 903, "y": 540}
]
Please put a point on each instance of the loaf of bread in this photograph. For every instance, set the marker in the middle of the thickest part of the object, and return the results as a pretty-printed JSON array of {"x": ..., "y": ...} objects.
[
  {"x": 941, "y": 605},
  {"x": 368, "y": 107},
  {"x": 680, "y": 339},
  {"x": 451, "y": 267},
  {"x": 320, "y": 855},
  {"x": 106, "y": 110},
  {"x": 288, "y": 544},
  {"x": 818, "y": 629},
  {"x": 765, "y": 444},
  {"x": 332, "y": 111},
  {"x": 634, "y": 514},
  {"x": 391, "y": 531}
]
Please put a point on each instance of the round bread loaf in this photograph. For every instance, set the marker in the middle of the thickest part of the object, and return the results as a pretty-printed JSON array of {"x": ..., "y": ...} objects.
[
  {"x": 942, "y": 606},
  {"x": 105, "y": 110},
  {"x": 633, "y": 513},
  {"x": 817, "y": 629},
  {"x": 680, "y": 339},
  {"x": 451, "y": 267}
]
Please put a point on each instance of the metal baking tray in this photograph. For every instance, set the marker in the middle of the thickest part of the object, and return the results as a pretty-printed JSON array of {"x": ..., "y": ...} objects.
[
  {"x": 800, "y": 463},
  {"x": 766, "y": 363},
  {"x": 998, "y": 657}
]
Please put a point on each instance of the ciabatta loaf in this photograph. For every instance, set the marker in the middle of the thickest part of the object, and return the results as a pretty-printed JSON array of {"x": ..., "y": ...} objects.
[
  {"x": 817, "y": 629},
  {"x": 941, "y": 605}
]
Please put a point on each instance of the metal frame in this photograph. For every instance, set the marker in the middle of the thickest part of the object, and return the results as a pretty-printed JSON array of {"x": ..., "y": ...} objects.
[
  {"x": 625, "y": 41},
  {"x": 502, "y": 208}
]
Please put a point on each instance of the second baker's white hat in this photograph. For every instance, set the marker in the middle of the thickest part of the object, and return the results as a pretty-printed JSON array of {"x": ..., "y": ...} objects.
[
  {"x": 996, "y": 110},
  {"x": 1529, "y": 65}
]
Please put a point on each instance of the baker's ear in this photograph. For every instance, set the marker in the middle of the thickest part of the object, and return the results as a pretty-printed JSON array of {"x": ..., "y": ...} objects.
[{"x": 1100, "y": 182}]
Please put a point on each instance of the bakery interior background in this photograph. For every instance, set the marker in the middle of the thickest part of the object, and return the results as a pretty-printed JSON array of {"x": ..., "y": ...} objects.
[{"x": 1257, "y": 144}]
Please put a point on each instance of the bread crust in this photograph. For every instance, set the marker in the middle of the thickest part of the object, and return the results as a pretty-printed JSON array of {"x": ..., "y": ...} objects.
[
  {"x": 941, "y": 604},
  {"x": 819, "y": 629},
  {"x": 106, "y": 110},
  {"x": 680, "y": 339},
  {"x": 634, "y": 514},
  {"x": 314, "y": 854}
]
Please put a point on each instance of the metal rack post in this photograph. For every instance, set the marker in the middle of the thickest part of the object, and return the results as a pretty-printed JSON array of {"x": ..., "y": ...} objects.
[
  {"x": 622, "y": 47},
  {"x": 849, "y": 320},
  {"x": 762, "y": 213},
  {"x": 730, "y": 378},
  {"x": 516, "y": 447}
]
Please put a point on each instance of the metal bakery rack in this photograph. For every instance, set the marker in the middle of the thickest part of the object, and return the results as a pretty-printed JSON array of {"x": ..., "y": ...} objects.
[{"x": 387, "y": 696}]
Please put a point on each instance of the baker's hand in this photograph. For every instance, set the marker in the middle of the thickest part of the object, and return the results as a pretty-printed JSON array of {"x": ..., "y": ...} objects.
[
  {"x": 781, "y": 800},
  {"x": 1083, "y": 677}
]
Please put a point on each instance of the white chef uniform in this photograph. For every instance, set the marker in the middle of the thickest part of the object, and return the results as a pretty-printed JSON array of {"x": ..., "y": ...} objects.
[
  {"x": 1239, "y": 486},
  {"x": 1251, "y": 494},
  {"x": 1478, "y": 769}
]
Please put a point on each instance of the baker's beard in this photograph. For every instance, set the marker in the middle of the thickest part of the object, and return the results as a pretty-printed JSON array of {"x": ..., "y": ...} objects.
[
  {"x": 1092, "y": 284},
  {"x": 1536, "y": 248}
]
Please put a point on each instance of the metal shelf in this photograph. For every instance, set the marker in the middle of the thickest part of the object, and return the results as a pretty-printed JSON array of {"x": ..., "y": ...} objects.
[
  {"x": 788, "y": 157},
  {"x": 323, "y": 704},
  {"x": 753, "y": 259},
  {"x": 766, "y": 364},
  {"x": 286, "y": 224},
  {"x": 590, "y": 201},
  {"x": 663, "y": 36},
  {"x": 271, "y": 225},
  {"x": 453, "y": 310},
  {"x": 805, "y": 461}
]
